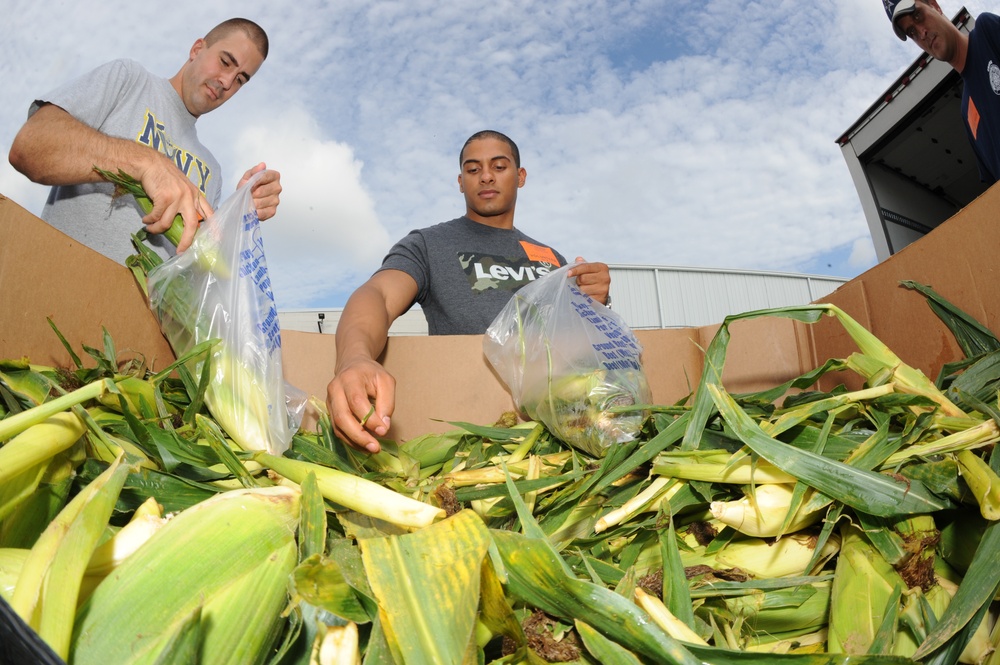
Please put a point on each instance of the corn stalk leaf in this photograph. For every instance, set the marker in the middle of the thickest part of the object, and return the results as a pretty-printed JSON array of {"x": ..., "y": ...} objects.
[
  {"x": 865, "y": 491},
  {"x": 604, "y": 650},
  {"x": 974, "y": 338},
  {"x": 427, "y": 584}
]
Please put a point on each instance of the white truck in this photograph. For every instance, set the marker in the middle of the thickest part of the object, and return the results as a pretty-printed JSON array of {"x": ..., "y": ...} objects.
[{"x": 909, "y": 154}]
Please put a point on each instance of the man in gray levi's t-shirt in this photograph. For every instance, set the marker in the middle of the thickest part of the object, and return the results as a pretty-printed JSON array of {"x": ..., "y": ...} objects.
[
  {"x": 121, "y": 117},
  {"x": 461, "y": 272}
]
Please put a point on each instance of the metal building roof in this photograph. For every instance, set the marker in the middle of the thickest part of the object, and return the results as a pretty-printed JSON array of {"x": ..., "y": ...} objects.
[{"x": 647, "y": 297}]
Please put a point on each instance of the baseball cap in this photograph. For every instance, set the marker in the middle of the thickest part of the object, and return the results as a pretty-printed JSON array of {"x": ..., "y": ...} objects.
[{"x": 896, "y": 8}]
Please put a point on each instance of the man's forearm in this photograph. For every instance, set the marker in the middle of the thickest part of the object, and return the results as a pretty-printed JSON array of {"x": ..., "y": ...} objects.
[
  {"x": 362, "y": 330},
  {"x": 54, "y": 148}
]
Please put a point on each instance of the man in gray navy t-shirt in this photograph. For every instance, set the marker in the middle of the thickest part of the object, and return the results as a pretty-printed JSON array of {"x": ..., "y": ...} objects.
[
  {"x": 121, "y": 117},
  {"x": 461, "y": 272}
]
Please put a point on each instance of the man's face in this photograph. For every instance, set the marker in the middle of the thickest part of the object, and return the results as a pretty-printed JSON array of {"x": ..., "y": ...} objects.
[
  {"x": 215, "y": 73},
  {"x": 489, "y": 178},
  {"x": 928, "y": 27}
]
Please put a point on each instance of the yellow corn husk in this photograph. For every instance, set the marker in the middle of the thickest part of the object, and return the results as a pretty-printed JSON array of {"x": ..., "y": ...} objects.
[
  {"x": 135, "y": 391},
  {"x": 660, "y": 489},
  {"x": 11, "y": 563},
  {"x": 764, "y": 559},
  {"x": 762, "y": 512},
  {"x": 665, "y": 619},
  {"x": 356, "y": 493},
  {"x": 863, "y": 585},
  {"x": 983, "y": 482},
  {"x": 495, "y": 474},
  {"x": 39, "y": 442},
  {"x": 146, "y": 521},
  {"x": 337, "y": 645},
  {"x": 229, "y": 555}
]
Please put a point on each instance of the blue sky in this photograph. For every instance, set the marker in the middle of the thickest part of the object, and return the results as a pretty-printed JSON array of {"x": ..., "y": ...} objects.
[{"x": 685, "y": 133}]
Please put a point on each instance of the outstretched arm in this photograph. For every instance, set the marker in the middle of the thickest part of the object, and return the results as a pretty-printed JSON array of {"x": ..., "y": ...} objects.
[
  {"x": 362, "y": 395},
  {"x": 54, "y": 148}
]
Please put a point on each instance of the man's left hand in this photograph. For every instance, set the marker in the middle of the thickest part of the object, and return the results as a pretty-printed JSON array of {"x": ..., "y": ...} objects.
[
  {"x": 594, "y": 279},
  {"x": 266, "y": 192}
]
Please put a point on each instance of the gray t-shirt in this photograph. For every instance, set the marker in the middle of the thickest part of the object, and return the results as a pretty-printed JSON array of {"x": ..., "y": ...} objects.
[
  {"x": 467, "y": 271},
  {"x": 123, "y": 100}
]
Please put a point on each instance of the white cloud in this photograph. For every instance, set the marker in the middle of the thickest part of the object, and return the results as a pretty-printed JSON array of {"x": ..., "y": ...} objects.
[
  {"x": 326, "y": 224},
  {"x": 686, "y": 133}
]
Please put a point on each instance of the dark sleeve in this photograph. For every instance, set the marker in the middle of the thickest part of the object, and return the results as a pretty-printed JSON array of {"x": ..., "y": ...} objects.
[{"x": 409, "y": 255}]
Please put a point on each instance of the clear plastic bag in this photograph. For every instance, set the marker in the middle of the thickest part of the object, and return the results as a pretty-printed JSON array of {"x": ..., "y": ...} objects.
[
  {"x": 568, "y": 360},
  {"x": 220, "y": 289}
]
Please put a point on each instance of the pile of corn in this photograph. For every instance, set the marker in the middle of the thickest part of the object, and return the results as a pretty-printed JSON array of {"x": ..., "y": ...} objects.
[{"x": 784, "y": 526}]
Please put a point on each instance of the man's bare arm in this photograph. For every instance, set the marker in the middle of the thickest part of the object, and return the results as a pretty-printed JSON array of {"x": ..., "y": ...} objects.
[
  {"x": 54, "y": 148},
  {"x": 362, "y": 396}
]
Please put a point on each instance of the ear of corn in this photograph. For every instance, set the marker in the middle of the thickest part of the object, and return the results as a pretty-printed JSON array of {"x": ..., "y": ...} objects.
[
  {"x": 38, "y": 443},
  {"x": 204, "y": 557},
  {"x": 862, "y": 589},
  {"x": 356, "y": 493},
  {"x": 50, "y": 580},
  {"x": 337, "y": 645},
  {"x": 718, "y": 466},
  {"x": 789, "y": 555},
  {"x": 665, "y": 619},
  {"x": 762, "y": 512}
]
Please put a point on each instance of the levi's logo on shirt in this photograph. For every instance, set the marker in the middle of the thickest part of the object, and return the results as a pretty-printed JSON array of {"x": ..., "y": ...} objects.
[{"x": 487, "y": 272}]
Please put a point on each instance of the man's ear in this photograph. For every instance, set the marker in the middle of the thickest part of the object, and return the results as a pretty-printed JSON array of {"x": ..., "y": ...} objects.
[
  {"x": 461, "y": 189},
  {"x": 196, "y": 48}
]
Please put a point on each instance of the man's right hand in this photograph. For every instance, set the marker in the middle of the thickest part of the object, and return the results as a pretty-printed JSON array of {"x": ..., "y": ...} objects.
[
  {"x": 171, "y": 193},
  {"x": 360, "y": 399}
]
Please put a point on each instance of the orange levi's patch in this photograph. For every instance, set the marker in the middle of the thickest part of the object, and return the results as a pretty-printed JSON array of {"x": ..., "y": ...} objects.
[
  {"x": 973, "y": 117},
  {"x": 539, "y": 253}
]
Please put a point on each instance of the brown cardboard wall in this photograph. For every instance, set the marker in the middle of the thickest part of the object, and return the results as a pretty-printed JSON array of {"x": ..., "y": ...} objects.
[
  {"x": 957, "y": 259},
  {"x": 43, "y": 274}
]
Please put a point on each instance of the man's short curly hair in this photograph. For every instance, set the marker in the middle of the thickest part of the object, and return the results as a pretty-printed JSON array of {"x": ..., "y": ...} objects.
[{"x": 491, "y": 134}]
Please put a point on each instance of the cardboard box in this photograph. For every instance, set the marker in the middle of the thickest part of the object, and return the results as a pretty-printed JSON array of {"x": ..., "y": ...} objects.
[{"x": 43, "y": 273}]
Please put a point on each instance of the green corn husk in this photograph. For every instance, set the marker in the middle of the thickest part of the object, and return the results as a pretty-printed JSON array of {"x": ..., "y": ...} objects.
[
  {"x": 863, "y": 586},
  {"x": 228, "y": 557},
  {"x": 718, "y": 466},
  {"x": 802, "y": 608},
  {"x": 50, "y": 580},
  {"x": 208, "y": 260}
]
